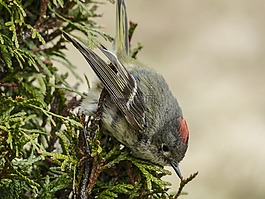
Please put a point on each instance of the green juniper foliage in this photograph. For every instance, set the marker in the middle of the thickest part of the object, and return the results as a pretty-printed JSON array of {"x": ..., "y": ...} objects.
[{"x": 43, "y": 147}]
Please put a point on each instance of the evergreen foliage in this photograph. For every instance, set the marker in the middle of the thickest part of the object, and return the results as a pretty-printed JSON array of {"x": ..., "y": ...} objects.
[{"x": 45, "y": 150}]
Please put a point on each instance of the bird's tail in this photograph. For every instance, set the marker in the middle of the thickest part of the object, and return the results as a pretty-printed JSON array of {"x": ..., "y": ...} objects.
[{"x": 122, "y": 37}]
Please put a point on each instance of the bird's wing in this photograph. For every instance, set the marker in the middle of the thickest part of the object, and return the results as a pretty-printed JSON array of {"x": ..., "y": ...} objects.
[{"x": 120, "y": 84}]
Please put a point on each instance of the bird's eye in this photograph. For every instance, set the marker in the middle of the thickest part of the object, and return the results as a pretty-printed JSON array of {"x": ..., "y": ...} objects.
[{"x": 165, "y": 148}]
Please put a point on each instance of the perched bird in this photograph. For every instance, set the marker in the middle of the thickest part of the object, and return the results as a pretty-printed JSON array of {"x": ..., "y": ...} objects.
[{"x": 139, "y": 110}]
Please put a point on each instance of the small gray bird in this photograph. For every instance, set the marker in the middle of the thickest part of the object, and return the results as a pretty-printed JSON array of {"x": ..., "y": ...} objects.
[{"x": 139, "y": 110}]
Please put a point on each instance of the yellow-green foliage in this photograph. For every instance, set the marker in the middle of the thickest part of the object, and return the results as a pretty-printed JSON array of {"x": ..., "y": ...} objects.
[{"x": 43, "y": 152}]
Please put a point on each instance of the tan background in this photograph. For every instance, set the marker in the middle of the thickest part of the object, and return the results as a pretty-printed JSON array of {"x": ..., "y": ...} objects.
[{"x": 212, "y": 55}]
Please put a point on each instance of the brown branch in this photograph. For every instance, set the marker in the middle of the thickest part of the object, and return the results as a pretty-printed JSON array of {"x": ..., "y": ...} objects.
[
  {"x": 10, "y": 85},
  {"x": 184, "y": 182},
  {"x": 129, "y": 172},
  {"x": 96, "y": 170},
  {"x": 131, "y": 30},
  {"x": 85, "y": 179},
  {"x": 96, "y": 121},
  {"x": 43, "y": 10},
  {"x": 4, "y": 171},
  {"x": 73, "y": 103}
]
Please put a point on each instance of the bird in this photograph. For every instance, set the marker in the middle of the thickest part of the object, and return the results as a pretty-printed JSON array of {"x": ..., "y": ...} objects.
[{"x": 139, "y": 109}]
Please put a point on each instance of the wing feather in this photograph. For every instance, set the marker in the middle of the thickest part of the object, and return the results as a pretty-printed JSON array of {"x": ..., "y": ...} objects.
[{"x": 120, "y": 84}]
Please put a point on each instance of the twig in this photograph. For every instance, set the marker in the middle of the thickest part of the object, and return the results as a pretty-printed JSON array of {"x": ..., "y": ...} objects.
[
  {"x": 95, "y": 171},
  {"x": 84, "y": 181},
  {"x": 96, "y": 121},
  {"x": 131, "y": 30},
  {"x": 73, "y": 103},
  {"x": 184, "y": 182},
  {"x": 43, "y": 9},
  {"x": 129, "y": 172}
]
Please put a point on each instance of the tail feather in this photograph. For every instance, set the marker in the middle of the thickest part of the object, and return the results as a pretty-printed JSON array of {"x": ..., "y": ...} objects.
[{"x": 122, "y": 37}]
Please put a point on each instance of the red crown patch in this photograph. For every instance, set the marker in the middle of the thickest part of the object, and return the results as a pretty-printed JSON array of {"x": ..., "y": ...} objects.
[{"x": 183, "y": 130}]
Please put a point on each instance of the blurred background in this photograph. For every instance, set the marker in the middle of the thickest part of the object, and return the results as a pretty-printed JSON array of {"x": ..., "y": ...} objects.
[{"x": 212, "y": 54}]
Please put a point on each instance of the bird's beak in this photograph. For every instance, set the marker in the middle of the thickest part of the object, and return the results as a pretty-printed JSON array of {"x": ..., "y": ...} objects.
[{"x": 177, "y": 170}]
